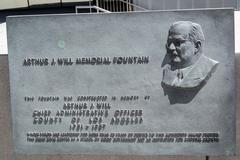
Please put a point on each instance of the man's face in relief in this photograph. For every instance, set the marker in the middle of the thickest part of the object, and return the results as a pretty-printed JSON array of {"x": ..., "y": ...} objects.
[{"x": 180, "y": 48}]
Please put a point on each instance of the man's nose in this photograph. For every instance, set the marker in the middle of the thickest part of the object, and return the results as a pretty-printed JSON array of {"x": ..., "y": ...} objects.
[{"x": 172, "y": 46}]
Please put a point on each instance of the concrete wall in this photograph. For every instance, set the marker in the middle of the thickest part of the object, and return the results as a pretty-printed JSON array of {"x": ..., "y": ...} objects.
[
  {"x": 237, "y": 31},
  {"x": 184, "y": 4},
  {"x": 6, "y": 4},
  {"x": 10, "y": 4},
  {"x": 149, "y": 4},
  {"x": 6, "y": 145}
]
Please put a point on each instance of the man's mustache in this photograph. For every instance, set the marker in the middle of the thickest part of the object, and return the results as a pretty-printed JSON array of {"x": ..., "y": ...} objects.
[
  {"x": 175, "y": 57},
  {"x": 171, "y": 54}
]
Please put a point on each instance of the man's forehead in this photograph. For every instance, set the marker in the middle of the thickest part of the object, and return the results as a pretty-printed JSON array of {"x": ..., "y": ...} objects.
[
  {"x": 178, "y": 36},
  {"x": 180, "y": 29}
]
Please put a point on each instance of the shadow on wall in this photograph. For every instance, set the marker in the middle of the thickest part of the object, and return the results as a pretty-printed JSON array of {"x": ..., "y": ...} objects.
[{"x": 181, "y": 96}]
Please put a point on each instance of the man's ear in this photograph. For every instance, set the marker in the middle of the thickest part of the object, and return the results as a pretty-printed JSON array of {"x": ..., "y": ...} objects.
[{"x": 198, "y": 46}]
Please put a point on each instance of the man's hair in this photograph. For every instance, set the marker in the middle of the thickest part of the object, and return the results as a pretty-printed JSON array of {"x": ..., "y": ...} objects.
[{"x": 195, "y": 34}]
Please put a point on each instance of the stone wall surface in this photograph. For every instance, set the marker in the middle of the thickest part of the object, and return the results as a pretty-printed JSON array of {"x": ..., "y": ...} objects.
[{"x": 6, "y": 147}]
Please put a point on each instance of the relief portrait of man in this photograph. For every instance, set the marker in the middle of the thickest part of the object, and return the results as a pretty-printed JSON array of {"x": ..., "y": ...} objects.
[
  {"x": 185, "y": 65},
  {"x": 186, "y": 69}
]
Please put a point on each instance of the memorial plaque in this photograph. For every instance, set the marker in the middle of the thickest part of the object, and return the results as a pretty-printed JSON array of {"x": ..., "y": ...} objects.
[{"x": 145, "y": 83}]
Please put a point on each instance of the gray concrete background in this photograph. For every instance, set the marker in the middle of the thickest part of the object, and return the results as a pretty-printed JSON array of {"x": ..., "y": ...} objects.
[
  {"x": 6, "y": 147},
  {"x": 150, "y": 4},
  {"x": 126, "y": 31},
  {"x": 185, "y": 4}
]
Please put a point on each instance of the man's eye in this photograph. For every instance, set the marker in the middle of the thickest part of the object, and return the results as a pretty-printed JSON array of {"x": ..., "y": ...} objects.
[
  {"x": 177, "y": 43},
  {"x": 169, "y": 42}
]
